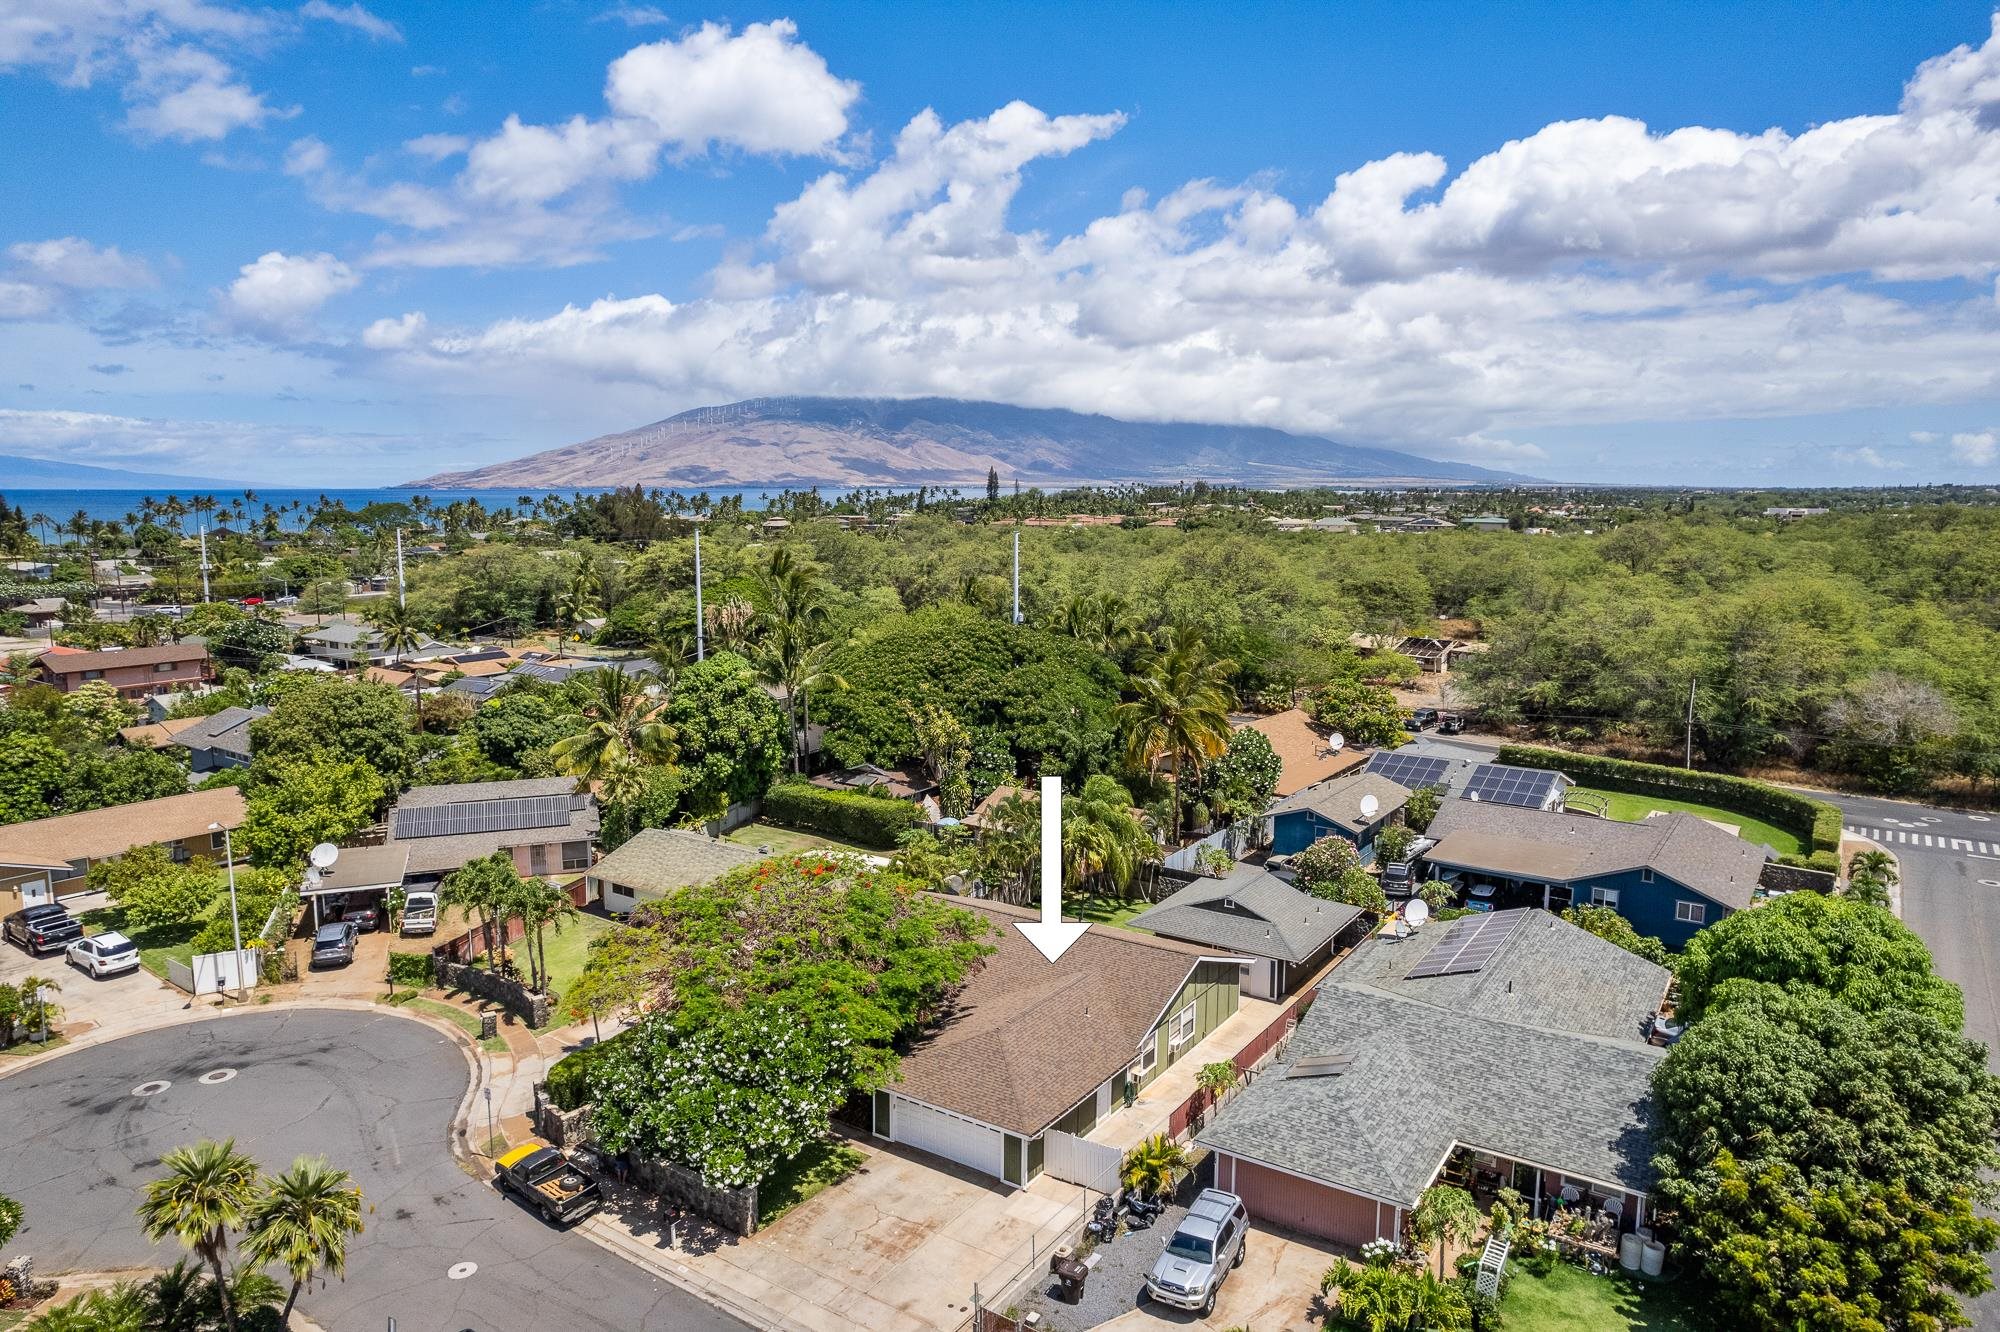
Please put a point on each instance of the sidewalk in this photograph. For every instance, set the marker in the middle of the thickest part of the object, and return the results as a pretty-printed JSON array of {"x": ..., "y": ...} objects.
[{"x": 1128, "y": 1126}]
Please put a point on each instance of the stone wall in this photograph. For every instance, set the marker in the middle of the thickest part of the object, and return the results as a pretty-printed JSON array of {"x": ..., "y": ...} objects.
[
  {"x": 1795, "y": 879},
  {"x": 735, "y": 1210},
  {"x": 515, "y": 997},
  {"x": 564, "y": 1128}
]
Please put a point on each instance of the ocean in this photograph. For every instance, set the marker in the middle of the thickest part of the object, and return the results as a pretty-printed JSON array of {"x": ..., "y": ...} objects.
[{"x": 113, "y": 505}]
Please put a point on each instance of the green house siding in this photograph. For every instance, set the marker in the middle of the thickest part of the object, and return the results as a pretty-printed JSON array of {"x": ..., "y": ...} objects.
[
  {"x": 1010, "y": 1163},
  {"x": 1081, "y": 1120},
  {"x": 882, "y": 1126},
  {"x": 1212, "y": 990}
]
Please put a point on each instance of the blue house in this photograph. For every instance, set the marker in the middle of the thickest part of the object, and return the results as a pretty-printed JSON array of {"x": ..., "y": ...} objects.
[
  {"x": 1669, "y": 875},
  {"x": 1356, "y": 807}
]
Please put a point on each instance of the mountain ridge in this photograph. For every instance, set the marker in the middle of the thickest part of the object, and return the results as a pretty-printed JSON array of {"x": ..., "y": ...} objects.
[
  {"x": 942, "y": 441},
  {"x": 48, "y": 474}
]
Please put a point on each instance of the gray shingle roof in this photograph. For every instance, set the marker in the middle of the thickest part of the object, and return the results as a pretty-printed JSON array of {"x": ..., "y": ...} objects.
[
  {"x": 658, "y": 860},
  {"x": 1267, "y": 917},
  {"x": 441, "y": 855},
  {"x": 1426, "y": 1076},
  {"x": 1339, "y": 801},
  {"x": 1564, "y": 848},
  {"x": 227, "y": 730}
]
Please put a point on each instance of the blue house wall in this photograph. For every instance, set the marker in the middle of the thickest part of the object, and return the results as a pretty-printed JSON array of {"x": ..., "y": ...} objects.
[
  {"x": 1296, "y": 829},
  {"x": 1652, "y": 905}
]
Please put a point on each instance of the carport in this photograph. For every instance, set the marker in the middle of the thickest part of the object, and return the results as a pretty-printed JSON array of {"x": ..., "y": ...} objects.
[{"x": 360, "y": 876}]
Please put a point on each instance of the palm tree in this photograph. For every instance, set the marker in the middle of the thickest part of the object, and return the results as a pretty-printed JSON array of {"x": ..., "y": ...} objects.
[
  {"x": 1151, "y": 1168},
  {"x": 1010, "y": 843},
  {"x": 207, "y": 1191},
  {"x": 398, "y": 626},
  {"x": 1101, "y": 836},
  {"x": 1445, "y": 1215},
  {"x": 792, "y": 660},
  {"x": 491, "y": 886},
  {"x": 543, "y": 903},
  {"x": 576, "y": 603},
  {"x": 1870, "y": 876},
  {"x": 303, "y": 1221},
  {"x": 1179, "y": 710},
  {"x": 624, "y": 730}
]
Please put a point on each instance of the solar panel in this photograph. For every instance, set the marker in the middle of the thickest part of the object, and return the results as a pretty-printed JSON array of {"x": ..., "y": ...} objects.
[
  {"x": 504, "y": 814},
  {"x": 1415, "y": 771},
  {"x": 1468, "y": 945},
  {"x": 1500, "y": 784}
]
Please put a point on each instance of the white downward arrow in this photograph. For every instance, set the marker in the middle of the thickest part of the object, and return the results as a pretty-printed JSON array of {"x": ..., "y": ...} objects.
[{"x": 1052, "y": 934}]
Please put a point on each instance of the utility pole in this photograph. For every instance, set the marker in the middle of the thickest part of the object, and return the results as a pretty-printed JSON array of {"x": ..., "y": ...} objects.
[
  {"x": 1690, "y": 727},
  {"x": 399, "y": 566},
  {"x": 1017, "y": 575},
  {"x": 204, "y": 559},
  {"x": 700, "y": 638},
  {"x": 235, "y": 926}
]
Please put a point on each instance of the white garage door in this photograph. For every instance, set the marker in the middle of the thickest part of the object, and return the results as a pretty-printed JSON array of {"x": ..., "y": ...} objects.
[{"x": 949, "y": 1136}]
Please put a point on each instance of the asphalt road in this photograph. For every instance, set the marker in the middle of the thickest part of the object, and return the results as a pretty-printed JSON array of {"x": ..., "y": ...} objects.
[{"x": 376, "y": 1095}]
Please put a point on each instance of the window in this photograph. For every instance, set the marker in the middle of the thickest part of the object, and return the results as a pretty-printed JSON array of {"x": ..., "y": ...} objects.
[
  {"x": 1646, "y": 875},
  {"x": 1182, "y": 1030},
  {"x": 1690, "y": 913},
  {"x": 576, "y": 855},
  {"x": 93, "y": 675},
  {"x": 1149, "y": 1055},
  {"x": 162, "y": 667},
  {"x": 538, "y": 858},
  {"x": 1604, "y": 897},
  {"x": 216, "y": 841}
]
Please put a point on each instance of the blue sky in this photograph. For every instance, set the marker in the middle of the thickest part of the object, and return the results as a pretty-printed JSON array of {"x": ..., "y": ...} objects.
[{"x": 334, "y": 244}]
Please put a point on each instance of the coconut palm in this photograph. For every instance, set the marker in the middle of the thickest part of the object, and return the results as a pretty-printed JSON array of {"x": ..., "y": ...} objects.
[
  {"x": 623, "y": 731},
  {"x": 1151, "y": 1168},
  {"x": 1445, "y": 1215},
  {"x": 1010, "y": 843},
  {"x": 577, "y": 602},
  {"x": 398, "y": 626},
  {"x": 1179, "y": 711},
  {"x": 541, "y": 903},
  {"x": 1870, "y": 876},
  {"x": 1101, "y": 836},
  {"x": 791, "y": 659},
  {"x": 207, "y": 1191},
  {"x": 303, "y": 1220}
]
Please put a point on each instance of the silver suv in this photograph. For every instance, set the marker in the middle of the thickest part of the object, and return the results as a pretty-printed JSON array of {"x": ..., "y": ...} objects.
[{"x": 1200, "y": 1253}]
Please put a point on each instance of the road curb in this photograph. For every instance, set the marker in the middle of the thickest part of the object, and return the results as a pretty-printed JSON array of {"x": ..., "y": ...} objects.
[{"x": 613, "y": 1240}]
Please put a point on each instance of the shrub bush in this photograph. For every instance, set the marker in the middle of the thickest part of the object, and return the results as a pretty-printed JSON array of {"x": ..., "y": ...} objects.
[
  {"x": 870, "y": 820},
  {"x": 1813, "y": 822},
  {"x": 412, "y": 969},
  {"x": 569, "y": 1077}
]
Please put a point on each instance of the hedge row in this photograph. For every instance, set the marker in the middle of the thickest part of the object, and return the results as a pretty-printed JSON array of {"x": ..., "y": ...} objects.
[
  {"x": 569, "y": 1077},
  {"x": 870, "y": 820},
  {"x": 410, "y": 969},
  {"x": 1814, "y": 822}
]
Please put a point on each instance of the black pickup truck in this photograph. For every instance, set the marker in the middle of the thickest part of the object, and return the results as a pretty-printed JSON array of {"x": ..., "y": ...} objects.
[
  {"x": 557, "y": 1187},
  {"x": 42, "y": 928}
]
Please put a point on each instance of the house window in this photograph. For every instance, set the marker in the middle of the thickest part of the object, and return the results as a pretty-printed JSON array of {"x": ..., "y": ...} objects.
[
  {"x": 1646, "y": 875},
  {"x": 1182, "y": 1030},
  {"x": 216, "y": 841},
  {"x": 1604, "y": 897},
  {"x": 93, "y": 675},
  {"x": 576, "y": 855},
  {"x": 1149, "y": 1055},
  {"x": 162, "y": 667},
  {"x": 538, "y": 858},
  {"x": 1690, "y": 913}
]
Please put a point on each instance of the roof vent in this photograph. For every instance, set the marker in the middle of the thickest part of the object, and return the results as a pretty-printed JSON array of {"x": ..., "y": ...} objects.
[{"x": 1321, "y": 1066}]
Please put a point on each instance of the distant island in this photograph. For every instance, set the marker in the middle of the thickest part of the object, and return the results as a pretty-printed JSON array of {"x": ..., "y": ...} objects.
[
  {"x": 46, "y": 474},
  {"x": 944, "y": 441}
]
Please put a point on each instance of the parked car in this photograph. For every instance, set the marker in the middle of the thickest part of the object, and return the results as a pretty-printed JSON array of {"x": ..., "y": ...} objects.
[
  {"x": 420, "y": 913},
  {"x": 42, "y": 928},
  {"x": 106, "y": 954},
  {"x": 1450, "y": 723},
  {"x": 551, "y": 1183},
  {"x": 1398, "y": 879},
  {"x": 1422, "y": 719},
  {"x": 1203, "y": 1249},
  {"x": 333, "y": 943},
  {"x": 367, "y": 919}
]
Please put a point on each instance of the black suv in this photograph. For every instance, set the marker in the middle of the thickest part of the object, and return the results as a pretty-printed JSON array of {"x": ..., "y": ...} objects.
[{"x": 42, "y": 928}]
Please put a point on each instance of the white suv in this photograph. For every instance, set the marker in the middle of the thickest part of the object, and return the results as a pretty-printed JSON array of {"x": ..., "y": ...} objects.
[{"x": 105, "y": 954}]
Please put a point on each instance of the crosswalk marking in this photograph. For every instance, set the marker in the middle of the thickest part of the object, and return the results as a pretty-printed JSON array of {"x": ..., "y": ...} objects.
[{"x": 1899, "y": 835}]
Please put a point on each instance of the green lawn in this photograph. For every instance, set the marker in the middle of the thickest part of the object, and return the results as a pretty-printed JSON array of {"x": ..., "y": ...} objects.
[
  {"x": 155, "y": 945},
  {"x": 458, "y": 1017},
  {"x": 566, "y": 950},
  {"x": 1632, "y": 808},
  {"x": 25, "y": 1047},
  {"x": 1102, "y": 910},
  {"x": 788, "y": 841},
  {"x": 1569, "y": 1299},
  {"x": 818, "y": 1167}
]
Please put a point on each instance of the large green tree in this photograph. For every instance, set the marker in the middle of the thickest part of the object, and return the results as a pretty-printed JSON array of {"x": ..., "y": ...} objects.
[
  {"x": 729, "y": 732},
  {"x": 319, "y": 718},
  {"x": 295, "y": 804}
]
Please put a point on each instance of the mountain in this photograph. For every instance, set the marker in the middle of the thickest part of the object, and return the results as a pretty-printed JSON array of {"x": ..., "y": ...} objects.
[
  {"x": 46, "y": 474},
  {"x": 941, "y": 441}
]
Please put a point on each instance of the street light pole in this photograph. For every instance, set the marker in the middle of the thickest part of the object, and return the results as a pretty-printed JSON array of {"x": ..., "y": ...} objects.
[
  {"x": 700, "y": 638},
  {"x": 235, "y": 925}
]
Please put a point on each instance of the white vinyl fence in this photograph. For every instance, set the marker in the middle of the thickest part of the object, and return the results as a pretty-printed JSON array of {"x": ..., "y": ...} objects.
[{"x": 212, "y": 973}]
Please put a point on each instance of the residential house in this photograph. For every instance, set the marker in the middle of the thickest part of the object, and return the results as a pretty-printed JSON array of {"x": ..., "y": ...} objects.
[
  {"x": 1306, "y": 753},
  {"x": 1485, "y": 522},
  {"x": 1285, "y": 936},
  {"x": 550, "y": 670},
  {"x": 1356, "y": 807},
  {"x": 1423, "y": 523},
  {"x": 983, "y": 812},
  {"x": 1792, "y": 515},
  {"x": 1506, "y": 1049},
  {"x": 658, "y": 862},
  {"x": 1335, "y": 524},
  {"x": 30, "y": 570},
  {"x": 133, "y": 672},
  {"x": 356, "y": 645},
  {"x": 41, "y": 612},
  {"x": 902, "y": 783},
  {"x": 44, "y": 859},
  {"x": 157, "y": 734},
  {"x": 360, "y": 876},
  {"x": 219, "y": 741},
  {"x": 1669, "y": 875},
  {"x": 545, "y": 824},
  {"x": 1033, "y": 1053}
]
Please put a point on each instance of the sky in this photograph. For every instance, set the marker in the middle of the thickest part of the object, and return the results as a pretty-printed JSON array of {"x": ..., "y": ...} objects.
[{"x": 338, "y": 243}]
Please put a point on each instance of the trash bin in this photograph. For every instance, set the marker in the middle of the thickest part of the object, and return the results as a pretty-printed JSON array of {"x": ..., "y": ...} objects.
[
  {"x": 1630, "y": 1247},
  {"x": 1653, "y": 1258},
  {"x": 1070, "y": 1275},
  {"x": 489, "y": 1025}
]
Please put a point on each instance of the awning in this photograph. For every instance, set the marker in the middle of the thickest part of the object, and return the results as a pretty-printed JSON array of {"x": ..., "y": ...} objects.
[{"x": 360, "y": 869}]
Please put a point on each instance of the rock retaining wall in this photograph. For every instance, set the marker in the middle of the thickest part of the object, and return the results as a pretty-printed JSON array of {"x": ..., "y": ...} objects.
[
  {"x": 516, "y": 998},
  {"x": 735, "y": 1210}
]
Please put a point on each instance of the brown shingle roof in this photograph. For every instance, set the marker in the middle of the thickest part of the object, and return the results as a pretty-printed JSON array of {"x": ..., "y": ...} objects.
[
  {"x": 158, "y": 733},
  {"x": 69, "y": 663},
  {"x": 1302, "y": 751},
  {"x": 1028, "y": 1038},
  {"x": 97, "y": 833}
]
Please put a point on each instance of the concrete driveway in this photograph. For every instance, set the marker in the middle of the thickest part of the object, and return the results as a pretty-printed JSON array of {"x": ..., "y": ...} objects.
[{"x": 88, "y": 1003}]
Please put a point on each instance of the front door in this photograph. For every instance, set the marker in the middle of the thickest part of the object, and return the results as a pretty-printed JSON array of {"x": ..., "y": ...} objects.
[{"x": 35, "y": 891}]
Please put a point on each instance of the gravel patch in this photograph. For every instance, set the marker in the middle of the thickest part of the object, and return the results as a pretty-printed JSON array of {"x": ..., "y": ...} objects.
[{"x": 1116, "y": 1285}]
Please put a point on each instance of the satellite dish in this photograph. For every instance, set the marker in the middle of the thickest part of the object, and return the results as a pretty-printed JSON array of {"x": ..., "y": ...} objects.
[
  {"x": 1473, "y": 796},
  {"x": 323, "y": 855},
  {"x": 1417, "y": 912},
  {"x": 1369, "y": 804},
  {"x": 1336, "y": 742}
]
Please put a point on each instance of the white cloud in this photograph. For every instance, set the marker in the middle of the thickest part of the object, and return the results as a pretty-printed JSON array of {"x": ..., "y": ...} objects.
[
  {"x": 188, "y": 94},
  {"x": 394, "y": 334},
  {"x": 760, "y": 90},
  {"x": 436, "y": 147},
  {"x": 25, "y": 300},
  {"x": 1976, "y": 448},
  {"x": 1867, "y": 455},
  {"x": 634, "y": 16},
  {"x": 353, "y": 16},
  {"x": 1923, "y": 437},
  {"x": 280, "y": 292},
  {"x": 71, "y": 261}
]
